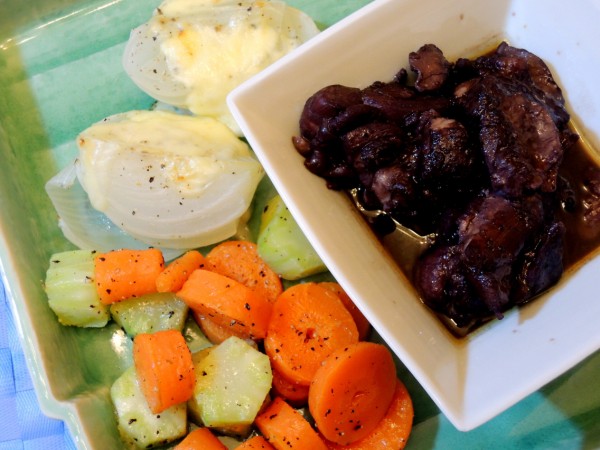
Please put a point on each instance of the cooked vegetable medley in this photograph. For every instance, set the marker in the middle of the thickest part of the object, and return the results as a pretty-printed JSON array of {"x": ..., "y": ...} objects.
[
  {"x": 233, "y": 347},
  {"x": 287, "y": 367}
]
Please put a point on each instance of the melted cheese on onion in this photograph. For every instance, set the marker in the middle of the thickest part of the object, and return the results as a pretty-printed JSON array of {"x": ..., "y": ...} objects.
[{"x": 192, "y": 53}]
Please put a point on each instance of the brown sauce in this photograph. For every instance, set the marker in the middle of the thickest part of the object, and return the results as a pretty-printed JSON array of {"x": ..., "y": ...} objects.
[{"x": 582, "y": 239}]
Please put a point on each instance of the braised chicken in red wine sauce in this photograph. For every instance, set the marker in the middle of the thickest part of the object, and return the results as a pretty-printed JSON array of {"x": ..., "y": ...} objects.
[{"x": 480, "y": 152}]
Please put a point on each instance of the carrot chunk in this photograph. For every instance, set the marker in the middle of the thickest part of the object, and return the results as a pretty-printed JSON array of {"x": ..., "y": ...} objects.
[
  {"x": 352, "y": 391},
  {"x": 308, "y": 323},
  {"x": 255, "y": 443},
  {"x": 286, "y": 429},
  {"x": 173, "y": 276},
  {"x": 164, "y": 367},
  {"x": 215, "y": 332},
  {"x": 200, "y": 439},
  {"x": 293, "y": 393},
  {"x": 124, "y": 273},
  {"x": 227, "y": 303},
  {"x": 362, "y": 324},
  {"x": 240, "y": 260},
  {"x": 392, "y": 431}
]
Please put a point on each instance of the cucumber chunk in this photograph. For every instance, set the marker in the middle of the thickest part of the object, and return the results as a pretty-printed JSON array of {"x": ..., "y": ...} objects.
[
  {"x": 138, "y": 426},
  {"x": 194, "y": 337},
  {"x": 72, "y": 292},
  {"x": 233, "y": 380},
  {"x": 283, "y": 245},
  {"x": 150, "y": 313}
]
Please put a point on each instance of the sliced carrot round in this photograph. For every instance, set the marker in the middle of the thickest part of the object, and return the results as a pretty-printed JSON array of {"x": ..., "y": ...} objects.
[
  {"x": 308, "y": 323},
  {"x": 164, "y": 367},
  {"x": 293, "y": 393},
  {"x": 255, "y": 443},
  {"x": 200, "y": 439},
  {"x": 173, "y": 276},
  {"x": 286, "y": 429},
  {"x": 352, "y": 391},
  {"x": 227, "y": 303},
  {"x": 240, "y": 260},
  {"x": 393, "y": 431},
  {"x": 215, "y": 332},
  {"x": 362, "y": 324}
]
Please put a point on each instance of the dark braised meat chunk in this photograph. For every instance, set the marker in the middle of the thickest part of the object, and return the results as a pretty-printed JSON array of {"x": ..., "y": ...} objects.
[
  {"x": 396, "y": 102},
  {"x": 437, "y": 168},
  {"x": 326, "y": 115},
  {"x": 501, "y": 246},
  {"x": 431, "y": 67},
  {"x": 444, "y": 284},
  {"x": 449, "y": 161},
  {"x": 396, "y": 191},
  {"x": 471, "y": 152},
  {"x": 530, "y": 71},
  {"x": 520, "y": 142},
  {"x": 491, "y": 236},
  {"x": 371, "y": 146},
  {"x": 326, "y": 104},
  {"x": 541, "y": 265}
]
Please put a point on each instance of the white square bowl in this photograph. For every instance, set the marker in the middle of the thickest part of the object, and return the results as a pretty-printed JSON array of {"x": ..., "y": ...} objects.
[{"x": 475, "y": 378}]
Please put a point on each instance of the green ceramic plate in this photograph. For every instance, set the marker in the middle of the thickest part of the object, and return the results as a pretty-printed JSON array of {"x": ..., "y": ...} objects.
[{"x": 60, "y": 72}]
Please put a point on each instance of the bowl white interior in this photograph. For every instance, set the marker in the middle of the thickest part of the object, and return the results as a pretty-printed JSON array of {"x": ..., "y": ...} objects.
[{"x": 474, "y": 379}]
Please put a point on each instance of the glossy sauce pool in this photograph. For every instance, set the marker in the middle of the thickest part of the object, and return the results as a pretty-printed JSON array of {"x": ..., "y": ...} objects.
[{"x": 582, "y": 238}]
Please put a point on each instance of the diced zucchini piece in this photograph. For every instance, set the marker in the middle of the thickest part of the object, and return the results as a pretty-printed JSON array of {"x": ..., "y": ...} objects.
[
  {"x": 150, "y": 313},
  {"x": 283, "y": 245},
  {"x": 72, "y": 292},
  {"x": 233, "y": 380},
  {"x": 137, "y": 425}
]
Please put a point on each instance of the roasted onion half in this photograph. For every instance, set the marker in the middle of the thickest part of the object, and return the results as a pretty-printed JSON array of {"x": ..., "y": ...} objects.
[{"x": 167, "y": 180}]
